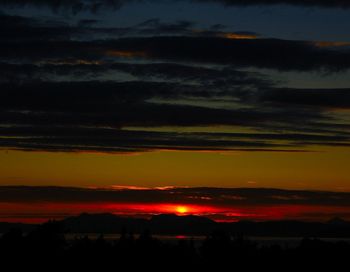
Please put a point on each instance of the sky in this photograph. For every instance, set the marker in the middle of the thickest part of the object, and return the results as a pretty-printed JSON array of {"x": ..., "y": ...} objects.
[{"x": 130, "y": 95}]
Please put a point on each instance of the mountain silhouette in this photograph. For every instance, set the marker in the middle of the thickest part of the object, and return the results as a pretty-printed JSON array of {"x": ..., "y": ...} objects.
[
  {"x": 6, "y": 227},
  {"x": 102, "y": 223},
  {"x": 337, "y": 221},
  {"x": 172, "y": 224}
]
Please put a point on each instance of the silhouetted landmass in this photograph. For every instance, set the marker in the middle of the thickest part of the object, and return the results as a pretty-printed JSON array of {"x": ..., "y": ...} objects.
[
  {"x": 291, "y": 229},
  {"x": 102, "y": 223},
  {"x": 172, "y": 224},
  {"x": 5, "y": 227},
  {"x": 197, "y": 225},
  {"x": 45, "y": 248}
]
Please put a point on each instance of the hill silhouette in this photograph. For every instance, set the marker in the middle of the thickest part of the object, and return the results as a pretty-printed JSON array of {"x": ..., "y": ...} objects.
[
  {"x": 6, "y": 227},
  {"x": 174, "y": 224},
  {"x": 102, "y": 223},
  {"x": 171, "y": 224},
  {"x": 198, "y": 225}
]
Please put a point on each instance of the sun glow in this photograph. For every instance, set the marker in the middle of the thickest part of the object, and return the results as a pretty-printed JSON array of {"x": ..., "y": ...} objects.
[{"x": 181, "y": 209}]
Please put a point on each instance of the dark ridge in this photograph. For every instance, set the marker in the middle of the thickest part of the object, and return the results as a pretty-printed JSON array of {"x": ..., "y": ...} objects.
[{"x": 171, "y": 224}]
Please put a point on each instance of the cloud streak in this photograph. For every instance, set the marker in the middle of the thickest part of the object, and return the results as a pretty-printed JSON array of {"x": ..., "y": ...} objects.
[
  {"x": 191, "y": 195},
  {"x": 28, "y": 39},
  {"x": 259, "y": 53},
  {"x": 95, "y": 116}
]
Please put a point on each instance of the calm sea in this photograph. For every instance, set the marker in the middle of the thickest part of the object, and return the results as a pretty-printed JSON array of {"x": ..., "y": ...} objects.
[{"x": 261, "y": 241}]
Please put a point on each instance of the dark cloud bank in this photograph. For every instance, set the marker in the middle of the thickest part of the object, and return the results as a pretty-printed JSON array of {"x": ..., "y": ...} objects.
[
  {"x": 65, "y": 88},
  {"x": 225, "y": 197}
]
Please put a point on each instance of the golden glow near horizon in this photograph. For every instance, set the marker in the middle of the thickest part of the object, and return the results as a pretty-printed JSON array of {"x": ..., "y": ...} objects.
[{"x": 319, "y": 170}]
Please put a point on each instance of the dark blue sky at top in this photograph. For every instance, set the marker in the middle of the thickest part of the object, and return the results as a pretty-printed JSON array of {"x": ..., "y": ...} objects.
[
  {"x": 276, "y": 21},
  {"x": 280, "y": 21}
]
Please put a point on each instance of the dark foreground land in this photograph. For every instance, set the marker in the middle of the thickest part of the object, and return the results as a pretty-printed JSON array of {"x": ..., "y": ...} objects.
[{"x": 45, "y": 249}]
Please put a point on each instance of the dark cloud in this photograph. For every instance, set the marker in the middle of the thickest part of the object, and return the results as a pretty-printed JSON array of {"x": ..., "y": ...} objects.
[
  {"x": 28, "y": 39},
  {"x": 18, "y": 28},
  {"x": 79, "y": 139},
  {"x": 259, "y": 53},
  {"x": 74, "y": 116},
  {"x": 226, "y": 197},
  {"x": 99, "y": 139},
  {"x": 127, "y": 103},
  {"x": 76, "y": 6},
  {"x": 65, "y": 88},
  {"x": 75, "y": 139},
  {"x": 328, "y": 98},
  {"x": 155, "y": 26},
  {"x": 191, "y": 76}
]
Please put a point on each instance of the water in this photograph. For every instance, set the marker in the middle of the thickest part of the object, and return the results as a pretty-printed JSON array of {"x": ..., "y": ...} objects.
[{"x": 285, "y": 242}]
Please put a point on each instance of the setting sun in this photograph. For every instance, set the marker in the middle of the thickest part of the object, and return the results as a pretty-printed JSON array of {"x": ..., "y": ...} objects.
[{"x": 181, "y": 209}]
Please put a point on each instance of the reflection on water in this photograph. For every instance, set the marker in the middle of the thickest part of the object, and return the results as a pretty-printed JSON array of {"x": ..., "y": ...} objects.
[{"x": 197, "y": 239}]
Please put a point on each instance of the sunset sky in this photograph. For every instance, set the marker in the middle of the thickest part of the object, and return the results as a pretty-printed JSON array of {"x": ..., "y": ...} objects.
[{"x": 151, "y": 97}]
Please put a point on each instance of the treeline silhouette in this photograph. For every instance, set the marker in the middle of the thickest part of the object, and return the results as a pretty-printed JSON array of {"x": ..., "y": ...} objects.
[{"x": 46, "y": 249}]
